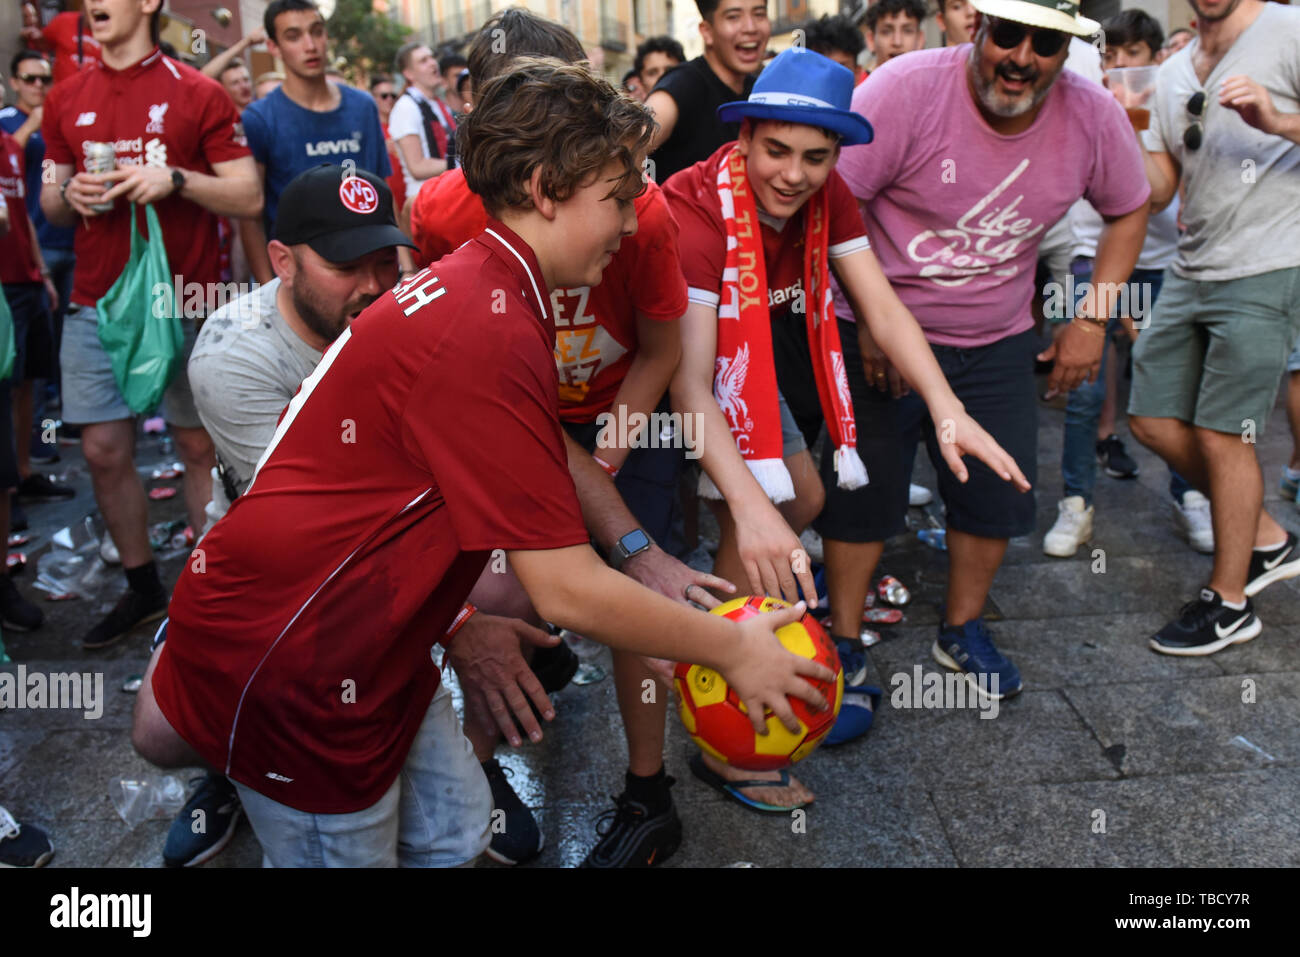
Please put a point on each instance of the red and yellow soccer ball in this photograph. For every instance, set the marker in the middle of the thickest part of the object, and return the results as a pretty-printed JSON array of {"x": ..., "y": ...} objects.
[{"x": 719, "y": 723}]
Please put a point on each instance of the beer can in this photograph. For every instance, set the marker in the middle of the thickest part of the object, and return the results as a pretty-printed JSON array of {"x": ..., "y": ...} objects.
[
  {"x": 893, "y": 591},
  {"x": 100, "y": 158}
]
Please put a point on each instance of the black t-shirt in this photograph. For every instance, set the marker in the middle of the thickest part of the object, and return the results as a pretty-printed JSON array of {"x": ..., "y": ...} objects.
[{"x": 698, "y": 93}]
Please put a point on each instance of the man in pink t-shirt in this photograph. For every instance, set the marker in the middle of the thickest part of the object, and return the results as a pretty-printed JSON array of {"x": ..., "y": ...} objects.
[{"x": 978, "y": 150}]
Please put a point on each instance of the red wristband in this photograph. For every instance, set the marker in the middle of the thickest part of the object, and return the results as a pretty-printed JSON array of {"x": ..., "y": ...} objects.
[
  {"x": 609, "y": 469},
  {"x": 458, "y": 622}
]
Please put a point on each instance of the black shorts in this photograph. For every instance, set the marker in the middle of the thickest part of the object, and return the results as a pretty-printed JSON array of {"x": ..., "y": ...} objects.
[
  {"x": 647, "y": 481},
  {"x": 33, "y": 331},
  {"x": 878, "y": 510},
  {"x": 996, "y": 385}
]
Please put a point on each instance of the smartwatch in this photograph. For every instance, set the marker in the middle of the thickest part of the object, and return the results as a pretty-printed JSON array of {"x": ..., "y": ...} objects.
[
  {"x": 178, "y": 181},
  {"x": 633, "y": 543}
]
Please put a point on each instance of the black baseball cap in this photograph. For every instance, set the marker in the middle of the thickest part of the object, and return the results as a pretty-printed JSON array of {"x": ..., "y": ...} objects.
[{"x": 342, "y": 214}]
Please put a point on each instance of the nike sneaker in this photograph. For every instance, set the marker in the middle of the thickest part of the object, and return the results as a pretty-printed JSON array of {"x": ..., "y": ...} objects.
[
  {"x": 1206, "y": 625},
  {"x": 1274, "y": 565}
]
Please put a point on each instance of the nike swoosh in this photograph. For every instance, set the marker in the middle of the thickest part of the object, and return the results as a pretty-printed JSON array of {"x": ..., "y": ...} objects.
[
  {"x": 1219, "y": 630},
  {"x": 651, "y": 859},
  {"x": 1269, "y": 566}
]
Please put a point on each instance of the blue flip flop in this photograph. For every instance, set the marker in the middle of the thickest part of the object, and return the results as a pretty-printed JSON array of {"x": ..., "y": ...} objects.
[
  {"x": 857, "y": 712},
  {"x": 732, "y": 789}
]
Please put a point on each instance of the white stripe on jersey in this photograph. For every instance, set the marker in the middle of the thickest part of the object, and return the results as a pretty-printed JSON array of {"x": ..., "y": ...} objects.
[{"x": 298, "y": 401}]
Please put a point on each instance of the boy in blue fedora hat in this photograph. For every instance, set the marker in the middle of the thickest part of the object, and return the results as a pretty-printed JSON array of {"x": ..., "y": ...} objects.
[{"x": 763, "y": 222}]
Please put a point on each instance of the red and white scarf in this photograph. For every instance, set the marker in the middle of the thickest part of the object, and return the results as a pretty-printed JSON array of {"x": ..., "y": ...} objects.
[{"x": 744, "y": 378}]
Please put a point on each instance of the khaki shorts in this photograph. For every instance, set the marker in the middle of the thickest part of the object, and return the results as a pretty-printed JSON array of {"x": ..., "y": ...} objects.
[{"x": 1214, "y": 352}]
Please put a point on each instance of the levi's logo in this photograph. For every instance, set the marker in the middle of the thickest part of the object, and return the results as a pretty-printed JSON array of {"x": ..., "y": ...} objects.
[
  {"x": 85, "y": 119},
  {"x": 331, "y": 147},
  {"x": 358, "y": 195}
]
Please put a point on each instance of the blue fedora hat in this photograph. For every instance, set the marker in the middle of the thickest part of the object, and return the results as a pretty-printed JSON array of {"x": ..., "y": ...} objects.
[{"x": 801, "y": 86}]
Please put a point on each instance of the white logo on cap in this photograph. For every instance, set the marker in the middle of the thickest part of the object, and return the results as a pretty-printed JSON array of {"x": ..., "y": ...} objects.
[{"x": 358, "y": 195}]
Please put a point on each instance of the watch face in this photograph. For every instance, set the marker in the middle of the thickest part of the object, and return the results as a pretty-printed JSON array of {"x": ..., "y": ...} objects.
[{"x": 635, "y": 541}]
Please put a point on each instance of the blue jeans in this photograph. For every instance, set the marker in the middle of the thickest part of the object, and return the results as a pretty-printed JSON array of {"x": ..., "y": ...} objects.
[
  {"x": 1083, "y": 409},
  {"x": 437, "y": 813}
]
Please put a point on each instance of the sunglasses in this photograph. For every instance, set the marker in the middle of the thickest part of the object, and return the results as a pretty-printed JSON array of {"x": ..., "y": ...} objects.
[
  {"x": 34, "y": 78},
  {"x": 1194, "y": 135},
  {"x": 1008, "y": 34},
  {"x": 386, "y": 96}
]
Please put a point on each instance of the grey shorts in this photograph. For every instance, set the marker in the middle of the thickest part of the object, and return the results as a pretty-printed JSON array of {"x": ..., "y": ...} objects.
[
  {"x": 90, "y": 392},
  {"x": 1293, "y": 360},
  {"x": 1214, "y": 352}
]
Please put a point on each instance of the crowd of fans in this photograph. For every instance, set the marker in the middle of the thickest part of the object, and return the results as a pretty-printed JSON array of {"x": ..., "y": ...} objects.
[{"x": 370, "y": 470}]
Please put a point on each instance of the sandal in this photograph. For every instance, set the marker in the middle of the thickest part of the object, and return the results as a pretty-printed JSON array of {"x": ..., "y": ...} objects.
[{"x": 733, "y": 789}]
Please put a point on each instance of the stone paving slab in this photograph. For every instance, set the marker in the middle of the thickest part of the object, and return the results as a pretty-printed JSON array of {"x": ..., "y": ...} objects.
[
  {"x": 1196, "y": 724},
  {"x": 1242, "y": 819}
]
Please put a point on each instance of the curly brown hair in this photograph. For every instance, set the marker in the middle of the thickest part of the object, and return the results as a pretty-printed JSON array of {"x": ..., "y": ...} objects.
[{"x": 555, "y": 115}]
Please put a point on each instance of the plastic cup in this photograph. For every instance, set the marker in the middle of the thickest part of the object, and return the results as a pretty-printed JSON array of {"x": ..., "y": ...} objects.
[{"x": 1133, "y": 87}]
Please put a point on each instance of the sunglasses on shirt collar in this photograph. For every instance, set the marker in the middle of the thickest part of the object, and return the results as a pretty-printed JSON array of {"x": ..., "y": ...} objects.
[
  {"x": 1194, "y": 135},
  {"x": 1008, "y": 34}
]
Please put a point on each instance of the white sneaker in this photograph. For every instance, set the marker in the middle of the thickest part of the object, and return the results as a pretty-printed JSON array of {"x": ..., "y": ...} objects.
[
  {"x": 108, "y": 551},
  {"x": 918, "y": 495},
  {"x": 1194, "y": 521},
  {"x": 1073, "y": 527}
]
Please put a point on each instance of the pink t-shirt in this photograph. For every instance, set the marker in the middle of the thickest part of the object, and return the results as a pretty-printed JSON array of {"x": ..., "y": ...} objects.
[{"x": 955, "y": 211}]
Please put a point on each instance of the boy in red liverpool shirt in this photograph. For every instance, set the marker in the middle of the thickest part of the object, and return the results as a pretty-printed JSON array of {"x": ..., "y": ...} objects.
[
  {"x": 298, "y": 656},
  {"x": 178, "y": 145},
  {"x": 617, "y": 347},
  {"x": 764, "y": 356}
]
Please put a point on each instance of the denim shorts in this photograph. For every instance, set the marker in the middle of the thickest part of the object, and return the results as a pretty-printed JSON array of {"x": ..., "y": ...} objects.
[
  {"x": 437, "y": 813},
  {"x": 90, "y": 393},
  {"x": 1215, "y": 352}
]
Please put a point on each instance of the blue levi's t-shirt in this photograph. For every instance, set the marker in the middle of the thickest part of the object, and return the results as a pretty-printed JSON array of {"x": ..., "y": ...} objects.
[
  {"x": 288, "y": 139},
  {"x": 49, "y": 237}
]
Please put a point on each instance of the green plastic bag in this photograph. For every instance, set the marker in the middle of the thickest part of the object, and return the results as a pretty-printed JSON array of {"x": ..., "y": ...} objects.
[
  {"x": 6, "y": 349},
  {"x": 138, "y": 322}
]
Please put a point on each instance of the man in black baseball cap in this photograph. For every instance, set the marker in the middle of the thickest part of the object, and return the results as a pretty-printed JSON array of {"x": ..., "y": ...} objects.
[{"x": 334, "y": 253}]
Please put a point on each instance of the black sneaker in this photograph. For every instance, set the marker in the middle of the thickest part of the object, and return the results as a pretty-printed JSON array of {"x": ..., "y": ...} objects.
[
  {"x": 554, "y": 667},
  {"x": 16, "y": 612},
  {"x": 205, "y": 824},
  {"x": 1278, "y": 565},
  {"x": 1205, "y": 626},
  {"x": 630, "y": 837},
  {"x": 132, "y": 609},
  {"x": 516, "y": 838},
  {"x": 22, "y": 845},
  {"x": 41, "y": 488},
  {"x": 1117, "y": 462}
]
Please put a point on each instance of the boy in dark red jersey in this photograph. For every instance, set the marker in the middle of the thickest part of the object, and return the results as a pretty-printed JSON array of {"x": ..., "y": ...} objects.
[
  {"x": 617, "y": 347},
  {"x": 179, "y": 146},
  {"x": 763, "y": 220},
  {"x": 298, "y": 657}
]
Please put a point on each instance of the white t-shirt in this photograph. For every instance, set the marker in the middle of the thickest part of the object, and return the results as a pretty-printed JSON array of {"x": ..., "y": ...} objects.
[
  {"x": 1242, "y": 186},
  {"x": 1157, "y": 251},
  {"x": 404, "y": 120}
]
